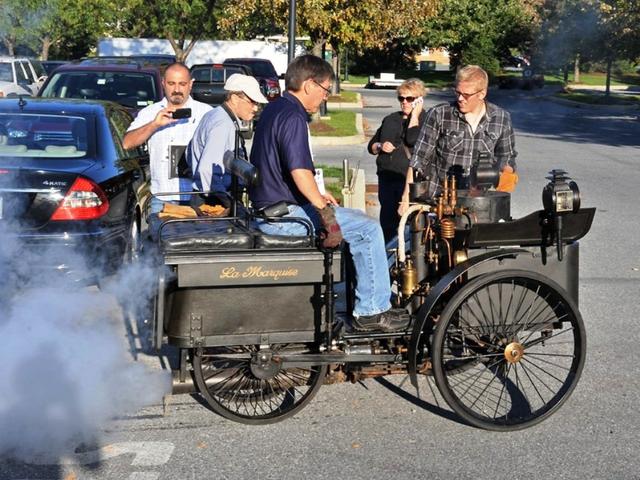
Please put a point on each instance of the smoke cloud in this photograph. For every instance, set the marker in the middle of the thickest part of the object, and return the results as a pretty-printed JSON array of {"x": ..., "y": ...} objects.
[{"x": 65, "y": 365}]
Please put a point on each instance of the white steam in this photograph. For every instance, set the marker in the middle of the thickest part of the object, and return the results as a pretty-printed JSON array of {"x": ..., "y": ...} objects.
[{"x": 65, "y": 367}]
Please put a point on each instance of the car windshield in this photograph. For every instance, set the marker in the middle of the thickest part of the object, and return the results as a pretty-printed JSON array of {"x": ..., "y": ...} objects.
[
  {"x": 6, "y": 73},
  {"x": 262, "y": 69},
  {"x": 43, "y": 135},
  {"x": 132, "y": 89}
]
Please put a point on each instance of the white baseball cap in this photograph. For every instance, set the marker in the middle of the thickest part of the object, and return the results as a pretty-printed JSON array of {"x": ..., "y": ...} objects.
[{"x": 247, "y": 85}]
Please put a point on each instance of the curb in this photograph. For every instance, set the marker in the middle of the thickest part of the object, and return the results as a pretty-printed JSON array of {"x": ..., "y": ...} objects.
[
  {"x": 574, "y": 104},
  {"x": 317, "y": 141}
]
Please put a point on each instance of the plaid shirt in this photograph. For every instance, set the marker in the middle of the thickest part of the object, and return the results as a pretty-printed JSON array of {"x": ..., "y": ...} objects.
[{"x": 446, "y": 140}]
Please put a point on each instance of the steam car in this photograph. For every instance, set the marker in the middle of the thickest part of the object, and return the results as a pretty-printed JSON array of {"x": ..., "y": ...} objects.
[{"x": 69, "y": 192}]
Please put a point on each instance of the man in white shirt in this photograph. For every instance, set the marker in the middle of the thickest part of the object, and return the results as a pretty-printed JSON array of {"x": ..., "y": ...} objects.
[
  {"x": 218, "y": 135},
  {"x": 166, "y": 136}
]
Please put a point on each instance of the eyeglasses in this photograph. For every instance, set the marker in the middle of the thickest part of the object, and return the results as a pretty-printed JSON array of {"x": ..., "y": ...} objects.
[
  {"x": 327, "y": 91},
  {"x": 408, "y": 99},
  {"x": 245, "y": 97},
  {"x": 466, "y": 96}
]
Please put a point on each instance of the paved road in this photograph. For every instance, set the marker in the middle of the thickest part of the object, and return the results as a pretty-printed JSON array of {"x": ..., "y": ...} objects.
[{"x": 378, "y": 430}]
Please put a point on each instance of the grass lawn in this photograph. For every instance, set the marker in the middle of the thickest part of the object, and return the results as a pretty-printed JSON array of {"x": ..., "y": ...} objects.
[
  {"x": 601, "y": 99},
  {"x": 342, "y": 123},
  {"x": 345, "y": 96}
]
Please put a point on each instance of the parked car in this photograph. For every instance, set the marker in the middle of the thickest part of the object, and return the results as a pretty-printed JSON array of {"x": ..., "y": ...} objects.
[
  {"x": 67, "y": 186},
  {"x": 20, "y": 76},
  {"x": 265, "y": 73},
  {"x": 129, "y": 84},
  {"x": 50, "y": 65}
]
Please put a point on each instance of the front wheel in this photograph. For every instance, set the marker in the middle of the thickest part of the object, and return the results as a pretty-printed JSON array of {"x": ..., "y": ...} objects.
[{"x": 508, "y": 350}]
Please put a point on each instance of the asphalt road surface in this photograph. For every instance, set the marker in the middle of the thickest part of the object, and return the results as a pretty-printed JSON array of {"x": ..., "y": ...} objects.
[{"x": 380, "y": 429}]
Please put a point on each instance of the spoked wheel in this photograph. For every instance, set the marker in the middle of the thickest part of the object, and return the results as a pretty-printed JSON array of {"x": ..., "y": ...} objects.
[
  {"x": 508, "y": 350},
  {"x": 249, "y": 386}
]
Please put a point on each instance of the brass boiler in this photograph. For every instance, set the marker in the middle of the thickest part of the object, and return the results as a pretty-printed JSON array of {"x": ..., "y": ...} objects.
[{"x": 438, "y": 235}]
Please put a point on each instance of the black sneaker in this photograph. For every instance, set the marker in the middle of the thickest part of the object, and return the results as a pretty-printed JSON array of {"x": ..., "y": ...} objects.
[{"x": 390, "y": 321}]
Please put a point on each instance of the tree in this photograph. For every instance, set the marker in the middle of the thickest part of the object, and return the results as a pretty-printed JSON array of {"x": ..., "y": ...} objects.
[
  {"x": 182, "y": 22},
  {"x": 13, "y": 30},
  {"x": 570, "y": 32},
  {"x": 338, "y": 23},
  {"x": 481, "y": 31}
]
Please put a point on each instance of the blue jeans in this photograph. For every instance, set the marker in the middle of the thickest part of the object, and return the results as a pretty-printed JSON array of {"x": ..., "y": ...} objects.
[{"x": 366, "y": 242}]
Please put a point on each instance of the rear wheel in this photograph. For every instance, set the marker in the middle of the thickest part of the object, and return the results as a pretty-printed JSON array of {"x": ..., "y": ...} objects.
[
  {"x": 248, "y": 385},
  {"x": 508, "y": 350}
]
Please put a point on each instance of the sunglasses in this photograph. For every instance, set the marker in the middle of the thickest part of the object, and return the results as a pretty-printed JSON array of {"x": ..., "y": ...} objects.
[
  {"x": 408, "y": 99},
  {"x": 464, "y": 95}
]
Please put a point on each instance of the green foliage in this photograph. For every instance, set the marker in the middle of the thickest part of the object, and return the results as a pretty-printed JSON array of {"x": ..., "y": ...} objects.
[
  {"x": 479, "y": 31},
  {"x": 182, "y": 22}
]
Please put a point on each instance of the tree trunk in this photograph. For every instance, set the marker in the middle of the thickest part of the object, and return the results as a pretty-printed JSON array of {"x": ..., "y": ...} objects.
[
  {"x": 318, "y": 43},
  {"x": 607, "y": 90},
  {"x": 177, "y": 48},
  {"x": 576, "y": 69},
  {"x": 335, "y": 63},
  {"x": 9, "y": 44},
  {"x": 46, "y": 45}
]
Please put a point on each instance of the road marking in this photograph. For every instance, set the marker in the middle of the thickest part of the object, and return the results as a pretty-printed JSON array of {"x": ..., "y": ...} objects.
[
  {"x": 147, "y": 454},
  {"x": 144, "y": 476}
]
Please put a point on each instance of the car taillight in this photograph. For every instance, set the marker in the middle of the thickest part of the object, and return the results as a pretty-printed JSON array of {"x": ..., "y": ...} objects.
[{"x": 84, "y": 201}]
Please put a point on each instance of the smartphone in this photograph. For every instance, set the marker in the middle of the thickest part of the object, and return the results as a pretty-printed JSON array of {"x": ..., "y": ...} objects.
[
  {"x": 417, "y": 102},
  {"x": 181, "y": 113}
]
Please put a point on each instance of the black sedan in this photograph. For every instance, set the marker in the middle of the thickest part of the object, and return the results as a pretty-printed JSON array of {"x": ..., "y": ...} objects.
[{"x": 71, "y": 198}]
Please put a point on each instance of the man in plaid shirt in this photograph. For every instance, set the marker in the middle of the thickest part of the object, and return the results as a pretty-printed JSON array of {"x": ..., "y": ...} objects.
[{"x": 457, "y": 134}]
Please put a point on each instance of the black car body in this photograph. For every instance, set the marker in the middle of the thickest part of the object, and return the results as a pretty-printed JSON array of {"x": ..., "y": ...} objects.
[
  {"x": 265, "y": 73},
  {"x": 68, "y": 190},
  {"x": 128, "y": 83}
]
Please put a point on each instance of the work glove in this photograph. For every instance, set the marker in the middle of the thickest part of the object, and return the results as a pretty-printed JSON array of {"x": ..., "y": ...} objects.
[
  {"x": 331, "y": 235},
  {"x": 508, "y": 180}
]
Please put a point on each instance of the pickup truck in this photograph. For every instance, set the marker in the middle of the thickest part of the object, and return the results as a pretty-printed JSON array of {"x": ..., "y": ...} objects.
[
  {"x": 209, "y": 80},
  {"x": 208, "y": 86}
]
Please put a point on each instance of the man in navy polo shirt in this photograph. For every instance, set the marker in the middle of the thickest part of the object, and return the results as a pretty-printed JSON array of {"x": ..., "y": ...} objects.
[{"x": 282, "y": 154}]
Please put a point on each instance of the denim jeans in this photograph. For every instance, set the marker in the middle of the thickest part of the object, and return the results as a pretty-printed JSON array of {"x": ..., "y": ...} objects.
[{"x": 366, "y": 242}]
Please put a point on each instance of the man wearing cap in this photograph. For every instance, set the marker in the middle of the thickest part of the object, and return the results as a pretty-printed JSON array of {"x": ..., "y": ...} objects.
[{"x": 218, "y": 133}]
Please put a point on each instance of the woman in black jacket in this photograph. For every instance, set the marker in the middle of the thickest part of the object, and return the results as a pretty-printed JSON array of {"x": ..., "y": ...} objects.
[{"x": 393, "y": 144}]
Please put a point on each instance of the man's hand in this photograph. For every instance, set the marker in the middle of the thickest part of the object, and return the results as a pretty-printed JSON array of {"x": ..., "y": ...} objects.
[
  {"x": 164, "y": 117},
  {"x": 331, "y": 235},
  {"x": 508, "y": 180}
]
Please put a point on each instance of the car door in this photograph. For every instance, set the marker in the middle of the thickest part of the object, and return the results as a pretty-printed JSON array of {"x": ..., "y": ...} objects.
[
  {"x": 133, "y": 162},
  {"x": 24, "y": 79}
]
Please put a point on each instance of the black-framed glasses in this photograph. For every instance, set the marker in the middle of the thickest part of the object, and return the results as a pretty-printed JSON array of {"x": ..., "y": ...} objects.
[
  {"x": 327, "y": 91},
  {"x": 466, "y": 96},
  {"x": 408, "y": 99}
]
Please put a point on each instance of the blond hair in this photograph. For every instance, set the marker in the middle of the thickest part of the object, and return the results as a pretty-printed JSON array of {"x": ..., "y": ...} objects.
[
  {"x": 413, "y": 85},
  {"x": 473, "y": 74}
]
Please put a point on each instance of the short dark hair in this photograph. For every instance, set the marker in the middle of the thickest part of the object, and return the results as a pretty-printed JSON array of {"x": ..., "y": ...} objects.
[{"x": 307, "y": 67}]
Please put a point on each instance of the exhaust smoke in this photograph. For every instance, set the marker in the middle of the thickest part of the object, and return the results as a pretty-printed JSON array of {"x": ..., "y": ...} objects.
[{"x": 65, "y": 365}]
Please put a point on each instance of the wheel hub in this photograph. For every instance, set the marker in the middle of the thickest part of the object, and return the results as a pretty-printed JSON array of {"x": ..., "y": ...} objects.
[
  {"x": 264, "y": 366},
  {"x": 514, "y": 352}
]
